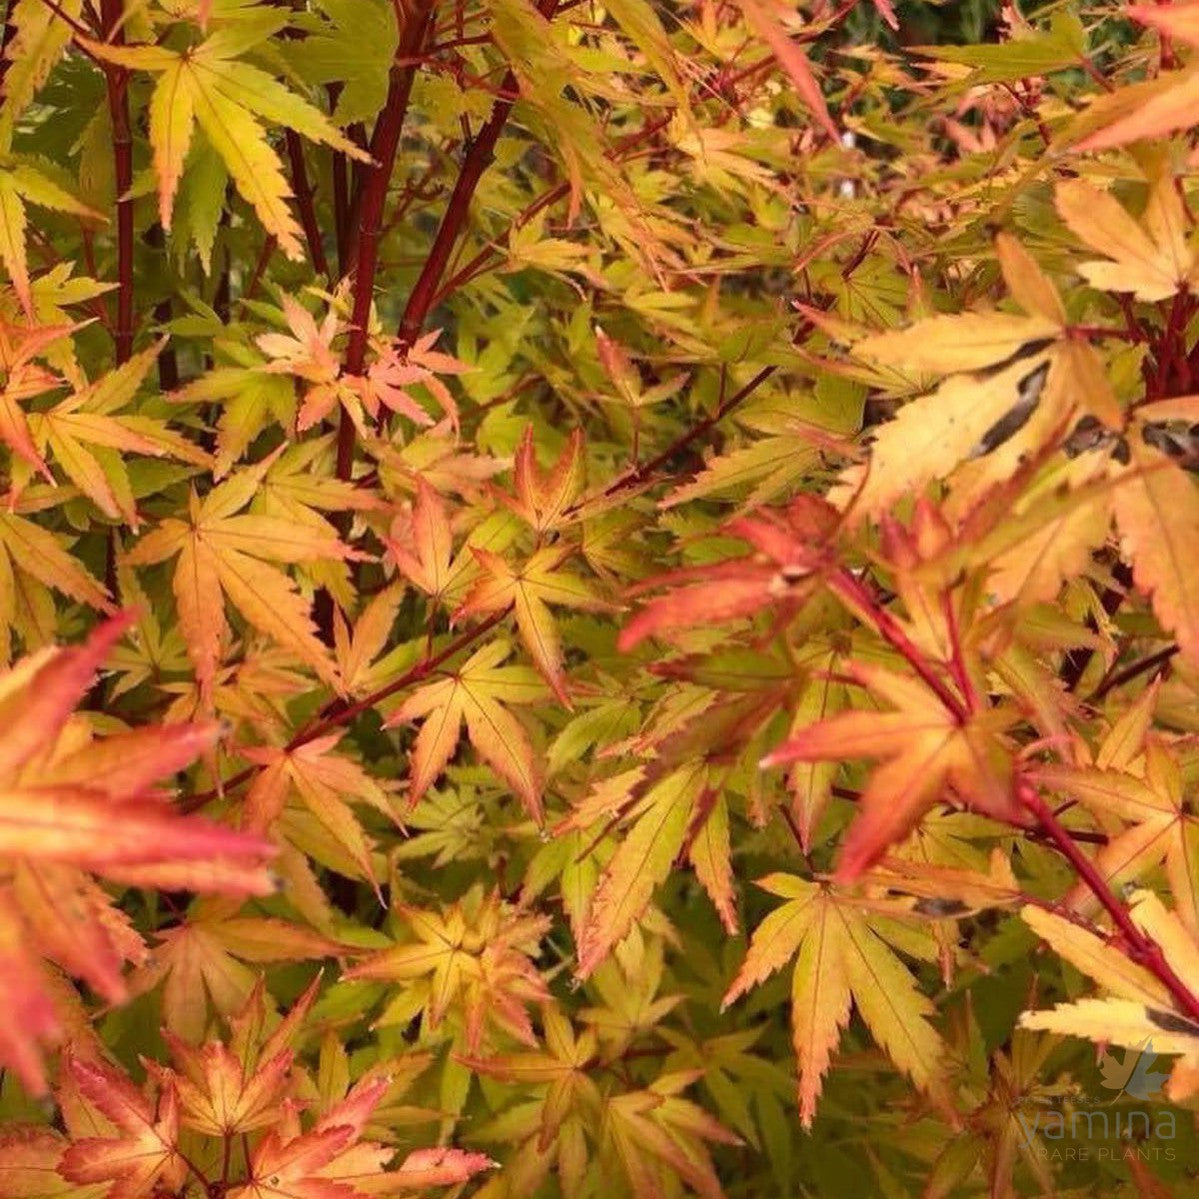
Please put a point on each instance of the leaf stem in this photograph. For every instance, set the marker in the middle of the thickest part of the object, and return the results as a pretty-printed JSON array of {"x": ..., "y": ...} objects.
[
  {"x": 1118, "y": 678},
  {"x": 856, "y": 597},
  {"x": 648, "y": 469}
]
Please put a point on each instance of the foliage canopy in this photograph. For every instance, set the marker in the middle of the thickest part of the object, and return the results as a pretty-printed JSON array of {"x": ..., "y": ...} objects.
[{"x": 598, "y": 599}]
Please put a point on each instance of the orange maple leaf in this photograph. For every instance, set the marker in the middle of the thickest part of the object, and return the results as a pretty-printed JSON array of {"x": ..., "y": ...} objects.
[{"x": 70, "y": 805}]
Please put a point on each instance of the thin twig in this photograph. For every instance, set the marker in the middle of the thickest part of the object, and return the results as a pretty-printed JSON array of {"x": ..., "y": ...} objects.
[
  {"x": 339, "y": 713},
  {"x": 1120, "y": 677}
]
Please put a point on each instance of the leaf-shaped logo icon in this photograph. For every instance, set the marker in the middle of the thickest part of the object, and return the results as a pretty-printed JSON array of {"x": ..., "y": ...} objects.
[{"x": 1132, "y": 1075}]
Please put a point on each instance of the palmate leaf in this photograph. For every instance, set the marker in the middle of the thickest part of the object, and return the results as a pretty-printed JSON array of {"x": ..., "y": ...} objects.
[
  {"x": 1150, "y": 258},
  {"x": 351, "y": 43},
  {"x": 324, "y": 782},
  {"x": 222, "y": 554},
  {"x": 1157, "y": 513},
  {"x": 642, "y": 862},
  {"x": 87, "y": 433},
  {"x": 40, "y": 36},
  {"x": 1010, "y": 386},
  {"x": 473, "y": 958},
  {"x": 143, "y": 1154},
  {"x": 228, "y": 98},
  {"x": 22, "y": 183},
  {"x": 1140, "y": 1016},
  {"x": 842, "y": 961},
  {"x": 1171, "y": 104},
  {"x": 476, "y": 694},
  {"x": 70, "y": 808},
  {"x": 928, "y": 750},
  {"x": 207, "y": 964},
  {"x": 529, "y": 589},
  {"x": 125, "y": 1141}
]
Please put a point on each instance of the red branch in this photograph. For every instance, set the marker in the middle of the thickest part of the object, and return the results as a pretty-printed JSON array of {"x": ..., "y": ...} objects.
[
  {"x": 1139, "y": 947},
  {"x": 475, "y": 162},
  {"x": 385, "y": 142},
  {"x": 559, "y": 191},
  {"x": 302, "y": 189},
  {"x": 116, "y": 79}
]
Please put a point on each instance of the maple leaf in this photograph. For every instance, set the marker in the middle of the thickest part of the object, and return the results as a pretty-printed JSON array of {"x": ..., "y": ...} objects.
[
  {"x": 1145, "y": 1083},
  {"x": 782, "y": 572},
  {"x": 842, "y": 960},
  {"x": 144, "y": 1154},
  {"x": 422, "y": 543},
  {"x": 1149, "y": 797},
  {"x": 928, "y": 750},
  {"x": 1115, "y": 1073},
  {"x": 1010, "y": 385},
  {"x": 543, "y": 499},
  {"x": 1151, "y": 258},
  {"x": 660, "y": 820},
  {"x": 24, "y": 379},
  {"x": 474, "y": 956},
  {"x": 349, "y": 44},
  {"x": 1157, "y": 514},
  {"x": 38, "y": 41},
  {"x": 86, "y": 435},
  {"x": 21, "y": 183},
  {"x": 202, "y": 963},
  {"x": 656, "y": 1127},
  {"x": 332, "y": 1160},
  {"x": 307, "y": 354},
  {"x": 1133, "y": 1019},
  {"x": 397, "y": 368},
  {"x": 363, "y": 653},
  {"x": 207, "y": 84},
  {"x": 475, "y": 694},
  {"x": 236, "y": 1086},
  {"x": 529, "y": 590},
  {"x": 1170, "y": 104},
  {"x": 223, "y": 554},
  {"x": 324, "y": 782},
  {"x": 561, "y": 1067},
  {"x": 96, "y": 811}
]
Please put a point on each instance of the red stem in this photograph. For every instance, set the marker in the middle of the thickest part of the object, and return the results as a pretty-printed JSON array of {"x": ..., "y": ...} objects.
[
  {"x": 697, "y": 431},
  {"x": 1141, "y": 948},
  {"x": 475, "y": 162},
  {"x": 851, "y": 591},
  {"x": 384, "y": 143},
  {"x": 304, "y": 203},
  {"x": 116, "y": 80},
  {"x": 559, "y": 192}
]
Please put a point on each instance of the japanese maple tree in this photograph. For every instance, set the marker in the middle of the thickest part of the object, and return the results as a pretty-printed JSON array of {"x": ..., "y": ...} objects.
[{"x": 599, "y": 599}]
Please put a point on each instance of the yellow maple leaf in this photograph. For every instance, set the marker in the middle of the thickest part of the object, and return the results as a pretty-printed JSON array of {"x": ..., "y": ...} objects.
[{"x": 225, "y": 555}]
